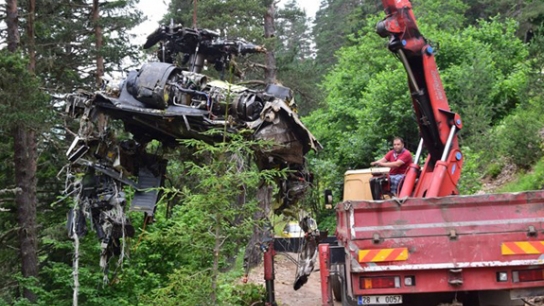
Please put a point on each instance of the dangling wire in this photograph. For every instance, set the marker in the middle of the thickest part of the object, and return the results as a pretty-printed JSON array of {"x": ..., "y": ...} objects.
[
  {"x": 117, "y": 216},
  {"x": 77, "y": 188}
]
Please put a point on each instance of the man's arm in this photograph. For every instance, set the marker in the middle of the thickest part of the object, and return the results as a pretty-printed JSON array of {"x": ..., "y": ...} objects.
[
  {"x": 379, "y": 162},
  {"x": 394, "y": 164}
]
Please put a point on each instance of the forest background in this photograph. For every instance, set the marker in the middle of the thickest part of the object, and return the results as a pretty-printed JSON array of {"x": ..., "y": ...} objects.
[{"x": 351, "y": 93}]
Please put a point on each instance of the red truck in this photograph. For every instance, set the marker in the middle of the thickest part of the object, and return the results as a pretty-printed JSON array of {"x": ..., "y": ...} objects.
[
  {"x": 476, "y": 250},
  {"x": 429, "y": 245}
]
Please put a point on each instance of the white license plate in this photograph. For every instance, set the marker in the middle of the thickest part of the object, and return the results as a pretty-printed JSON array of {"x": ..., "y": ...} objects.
[{"x": 379, "y": 299}]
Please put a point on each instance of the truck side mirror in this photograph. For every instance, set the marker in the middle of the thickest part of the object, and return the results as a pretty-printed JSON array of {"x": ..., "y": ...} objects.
[{"x": 328, "y": 199}]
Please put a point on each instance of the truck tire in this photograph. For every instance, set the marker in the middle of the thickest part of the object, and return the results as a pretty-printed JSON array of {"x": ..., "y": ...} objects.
[
  {"x": 336, "y": 285},
  {"x": 336, "y": 281}
]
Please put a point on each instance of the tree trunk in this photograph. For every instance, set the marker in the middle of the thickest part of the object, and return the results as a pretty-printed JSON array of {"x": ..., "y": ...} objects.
[
  {"x": 30, "y": 34},
  {"x": 101, "y": 118},
  {"x": 12, "y": 21},
  {"x": 195, "y": 6},
  {"x": 99, "y": 42},
  {"x": 25, "y": 163},
  {"x": 25, "y": 156},
  {"x": 25, "y": 178},
  {"x": 269, "y": 34},
  {"x": 261, "y": 232},
  {"x": 253, "y": 254}
]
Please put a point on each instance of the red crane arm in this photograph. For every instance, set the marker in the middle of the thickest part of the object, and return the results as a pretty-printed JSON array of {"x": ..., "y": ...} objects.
[{"x": 437, "y": 124}]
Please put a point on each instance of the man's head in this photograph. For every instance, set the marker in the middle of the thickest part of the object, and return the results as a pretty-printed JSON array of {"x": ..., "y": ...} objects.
[{"x": 398, "y": 144}]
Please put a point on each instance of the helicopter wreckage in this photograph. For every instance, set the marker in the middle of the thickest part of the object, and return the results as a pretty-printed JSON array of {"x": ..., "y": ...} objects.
[{"x": 166, "y": 102}]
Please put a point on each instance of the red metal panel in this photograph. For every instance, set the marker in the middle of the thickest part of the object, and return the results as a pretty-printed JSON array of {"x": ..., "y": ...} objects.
[
  {"x": 324, "y": 264},
  {"x": 467, "y": 215},
  {"x": 342, "y": 222},
  {"x": 438, "y": 281},
  {"x": 466, "y": 232}
]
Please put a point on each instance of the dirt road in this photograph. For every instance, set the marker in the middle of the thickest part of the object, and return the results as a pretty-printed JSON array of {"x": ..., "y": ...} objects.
[
  {"x": 310, "y": 293},
  {"x": 285, "y": 270}
]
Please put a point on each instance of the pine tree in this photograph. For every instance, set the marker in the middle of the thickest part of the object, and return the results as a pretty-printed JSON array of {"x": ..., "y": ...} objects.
[
  {"x": 334, "y": 22},
  {"x": 57, "y": 39},
  {"x": 24, "y": 93},
  {"x": 66, "y": 41},
  {"x": 296, "y": 57},
  {"x": 529, "y": 14}
]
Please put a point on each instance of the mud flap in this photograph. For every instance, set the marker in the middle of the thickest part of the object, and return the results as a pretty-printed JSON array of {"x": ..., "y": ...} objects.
[{"x": 499, "y": 298}]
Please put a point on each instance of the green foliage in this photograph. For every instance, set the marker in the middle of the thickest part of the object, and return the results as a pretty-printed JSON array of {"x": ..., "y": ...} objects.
[
  {"x": 470, "y": 181},
  {"x": 493, "y": 169},
  {"x": 335, "y": 22},
  {"x": 529, "y": 14},
  {"x": 366, "y": 98},
  {"x": 485, "y": 73},
  {"x": 232, "y": 18},
  {"x": 296, "y": 67},
  {"x": 65, "y": 41},
  {"x": 441, "y": 15},
  {"x": 194, "y": 288},
  {"x": 23, "y": 102},
  {"x": 533, "y": 180},
  {"x": 191, "y": 286},
  {"x": 209, "y": 227},
  {"x": 481, "y": 83},
  {"x": 189, "y": 256},
  {"x": 519, "y": 138},
  {"x": 536, "y": 51},
  {"x": 244, "y": 295},
  {"x": 326, "y": 220}
]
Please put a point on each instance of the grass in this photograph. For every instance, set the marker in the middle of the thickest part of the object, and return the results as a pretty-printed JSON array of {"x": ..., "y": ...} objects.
[{"x": 533, "y": 180}]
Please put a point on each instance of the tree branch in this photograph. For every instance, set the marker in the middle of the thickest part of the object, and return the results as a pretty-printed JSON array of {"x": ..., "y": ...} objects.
[
  {"x": 262, "y": 66},
  {"x": 6, "y": 234},
  {"x": 257, "y": 82},
  {"x": 12, "y": 191}
]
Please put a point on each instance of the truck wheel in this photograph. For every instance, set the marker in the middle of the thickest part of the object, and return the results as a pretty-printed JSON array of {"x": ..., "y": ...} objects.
[
  {"x": 336, "y": 282},
  {"x": 336, "y": 288}
]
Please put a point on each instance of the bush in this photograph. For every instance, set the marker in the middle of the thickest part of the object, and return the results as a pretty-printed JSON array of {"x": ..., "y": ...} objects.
[
  {"x": 326, "y": 220},
  {"x": 245, "y": 295},
  {"x": 494, "y": 169},
  {"x": 470, "y": 176},
  {"x": 518, "y": 138},
  {"x": 530, "y": 181}
]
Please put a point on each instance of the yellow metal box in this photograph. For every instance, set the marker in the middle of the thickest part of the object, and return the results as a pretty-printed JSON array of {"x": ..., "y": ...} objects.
[{"x": 357, "y": 183}]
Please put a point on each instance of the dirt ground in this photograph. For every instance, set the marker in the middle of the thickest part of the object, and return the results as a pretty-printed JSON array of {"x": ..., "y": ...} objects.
[
  {"x": 285, "y": 270},
  {"x": 310, "y": 293}
]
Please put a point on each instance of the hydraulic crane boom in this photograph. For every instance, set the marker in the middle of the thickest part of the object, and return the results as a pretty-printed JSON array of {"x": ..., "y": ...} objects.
[{"x": 437, "y": 124}]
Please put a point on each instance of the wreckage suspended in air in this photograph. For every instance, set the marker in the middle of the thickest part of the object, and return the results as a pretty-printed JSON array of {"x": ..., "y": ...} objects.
[{"x": 164, "y": 102}]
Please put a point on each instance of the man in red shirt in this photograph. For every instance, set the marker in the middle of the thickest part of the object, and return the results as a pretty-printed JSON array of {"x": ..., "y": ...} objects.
[{"x": 397, "y": 160}]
